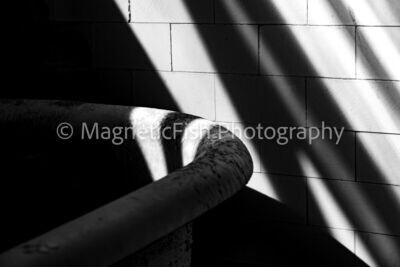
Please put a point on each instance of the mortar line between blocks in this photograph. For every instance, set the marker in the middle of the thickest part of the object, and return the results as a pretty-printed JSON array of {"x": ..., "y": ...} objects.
[
  {"x": 129, "y": 12},
  {"x": 355, "y": 51},
  {"x": 170, "y": 46}
]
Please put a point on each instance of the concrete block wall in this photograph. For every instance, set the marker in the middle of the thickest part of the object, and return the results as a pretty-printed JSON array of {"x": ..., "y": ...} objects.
[{"x": 277, "y": 63}]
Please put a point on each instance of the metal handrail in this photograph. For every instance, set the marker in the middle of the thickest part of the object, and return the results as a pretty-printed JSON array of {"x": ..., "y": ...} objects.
[{"x": 216, "y": 166}]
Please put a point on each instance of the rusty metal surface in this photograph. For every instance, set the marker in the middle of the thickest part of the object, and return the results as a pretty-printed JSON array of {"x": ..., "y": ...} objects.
[{"x": 221, "y": 166}]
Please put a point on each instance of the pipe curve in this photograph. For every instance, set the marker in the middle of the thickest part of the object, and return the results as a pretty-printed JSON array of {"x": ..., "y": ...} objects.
[{"x": 214, "y": 166}]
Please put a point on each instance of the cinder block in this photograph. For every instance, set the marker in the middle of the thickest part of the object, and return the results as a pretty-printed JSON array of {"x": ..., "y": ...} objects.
[
  {"x": 354, "y": 206},
  {"x": 91, "y": 10},
  {"x": 361, "y": 12},
  {"x": 134, "y": 46},
  {"x": 191, "y": 93},
  {"x": 357, "y": 105},
  {"x": 214, "y": 48},
  {"x": 261, "y": 11},
  {"x": 308, "y": 51},
  {"x": 172, "y": 11},
  {"x": 378, "y": 56},
  {"x": 378, "y": 250},
  {"x": 378, "y": 157},
  {"x": 257, "y": 99}
]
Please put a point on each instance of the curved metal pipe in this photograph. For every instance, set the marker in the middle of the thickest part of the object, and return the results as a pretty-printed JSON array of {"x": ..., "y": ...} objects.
[{"x": 221, "y": 166}]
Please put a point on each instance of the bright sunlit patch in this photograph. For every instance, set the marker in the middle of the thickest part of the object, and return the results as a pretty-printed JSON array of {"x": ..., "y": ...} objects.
[
  {"x": 363, "y": 252},
  {"x": 261, "y": 183},
  {"x": 192, "y": 92},
  {"x": 344, "y": 237},
  {"x": 194, "y": 133},
  {"x": 155, "y": 41},
  {"x": 292, "y": 11},
  {"x": 361, "y": 11},
  {"x": 372, "y": 12},
  {"x": 184, "y": 56},
  {"x": 146, "y": 124},
  {"x": 386, "y": 12}
]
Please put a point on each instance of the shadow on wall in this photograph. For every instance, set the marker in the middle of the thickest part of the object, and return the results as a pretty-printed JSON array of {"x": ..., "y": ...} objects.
[
  {"x": 55, "y": 60},
  {"x": 46, "y": 182},
  {"x": 240, "y": 232},
  {"x": 52, "y": 55},
  {"x": 361, "y": 208}
]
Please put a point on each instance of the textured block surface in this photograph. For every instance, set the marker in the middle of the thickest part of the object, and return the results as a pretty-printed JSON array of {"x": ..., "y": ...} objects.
[
  {"x": 135, "y": 46},
  {"x": 172, "y": 11},
  {"x": 214, "y": 48},
  {"x": 307, "y": 50},
  {"x": 361, "y": 12},
  {"x": 378, "y": 55},
  {"x": 358, "y": 105}
]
